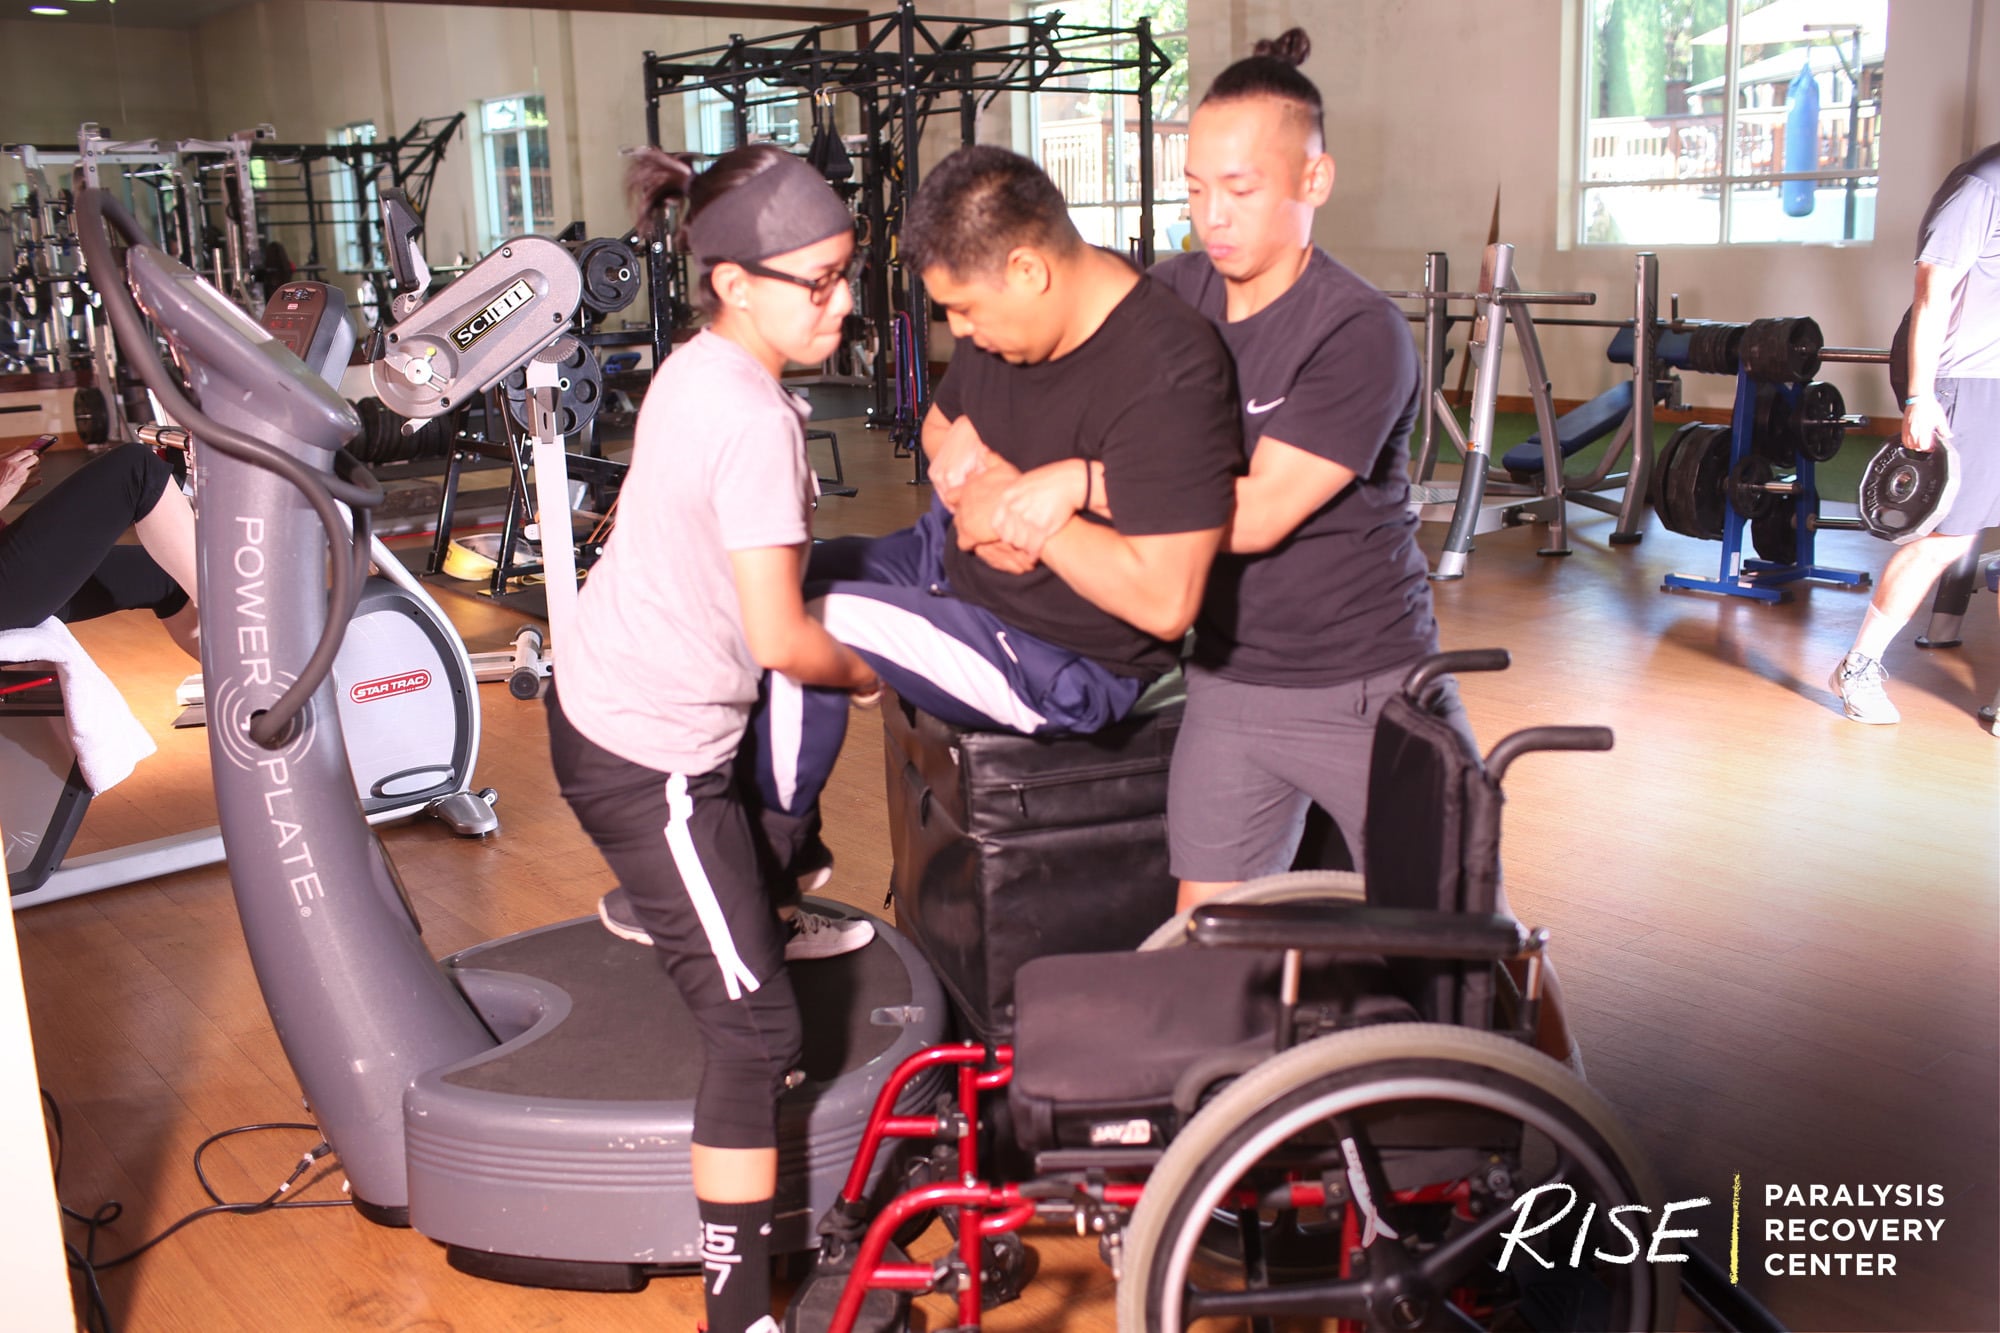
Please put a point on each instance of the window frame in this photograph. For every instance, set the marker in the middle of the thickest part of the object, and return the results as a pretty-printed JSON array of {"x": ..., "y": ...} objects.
[
  {"x": 494, "y": 221},
  {"x": 1124, "y": 162},
  {"x": 710, "y": 119},
  {"x": 1727, "y": 181},
  {"x": 347, "y": 228}
]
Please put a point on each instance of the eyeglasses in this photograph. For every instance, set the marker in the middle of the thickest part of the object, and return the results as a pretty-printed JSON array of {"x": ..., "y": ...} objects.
[{"x": 820, "y": 287}]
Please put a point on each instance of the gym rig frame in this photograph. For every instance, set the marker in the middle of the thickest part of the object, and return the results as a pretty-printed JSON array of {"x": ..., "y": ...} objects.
[{"x": 902, "y": 67}]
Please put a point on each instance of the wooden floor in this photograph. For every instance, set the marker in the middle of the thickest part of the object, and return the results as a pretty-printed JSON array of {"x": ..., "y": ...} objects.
[{"x": 1778, "y": 931}]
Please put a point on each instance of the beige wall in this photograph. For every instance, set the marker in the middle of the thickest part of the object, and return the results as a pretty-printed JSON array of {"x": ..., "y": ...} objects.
[{"x": 137, "y": 83}]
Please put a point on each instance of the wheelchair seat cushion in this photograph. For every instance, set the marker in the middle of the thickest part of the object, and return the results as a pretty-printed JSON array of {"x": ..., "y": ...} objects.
[{"x": 1106, "y": 1043}]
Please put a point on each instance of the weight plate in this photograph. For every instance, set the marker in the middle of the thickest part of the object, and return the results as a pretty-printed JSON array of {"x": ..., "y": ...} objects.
[
  {"x": 1707, "y": 473},
  {"x": 1770, "y": 426},
  {"x": 1905, "y": 494},
  {"x": 1676, "y": 488},
  {"x": 1746, "y": 482},
  {"x": 1680, "y": 481},
  {"x": 1820, "y": 429},
  {"x": 579, "y": 385},
  {"x": 1776, "y": 534},
  {"x": 1663, "y": 467},
  {"x": 610, "y": 274},
  {"x": 92, "y": 415},
  {"x": 1782, "y": 351}
]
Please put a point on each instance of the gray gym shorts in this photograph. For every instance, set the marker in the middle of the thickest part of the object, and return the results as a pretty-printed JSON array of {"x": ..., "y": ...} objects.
[
  {"x": 1250, "y": 759},
  {"x": 1973, "y": 408}
]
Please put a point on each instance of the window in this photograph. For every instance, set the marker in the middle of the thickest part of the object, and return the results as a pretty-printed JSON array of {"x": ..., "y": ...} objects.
[
  {"x": 1087, "y": 137},
  {"x": 356, "y": 255},
  {"x": 711, "y": 119},
  {"x": 1730, "y": 121},
  {"x": 520, "y": 189}
]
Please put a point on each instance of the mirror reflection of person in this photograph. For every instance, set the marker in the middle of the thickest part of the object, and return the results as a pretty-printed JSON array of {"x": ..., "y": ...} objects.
[
  {"x": 1952, "y": 393},
  {"x": 63, "y": 557}
]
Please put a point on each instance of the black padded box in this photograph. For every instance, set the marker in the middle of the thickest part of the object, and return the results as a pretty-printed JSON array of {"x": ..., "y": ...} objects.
[{"x": 1008, "y": 848}]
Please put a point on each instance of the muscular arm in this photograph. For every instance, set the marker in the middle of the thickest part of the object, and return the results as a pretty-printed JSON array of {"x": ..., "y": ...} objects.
[
  {"x": 1930, "y": 315},
  {"x": 782, "y": 637},
  {"x": 1153, "y": 583},
  {"x": 1285, "y": 486}
]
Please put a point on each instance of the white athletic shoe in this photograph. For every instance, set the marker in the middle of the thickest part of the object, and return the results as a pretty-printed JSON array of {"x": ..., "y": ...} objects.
[
  {"x": 1859, "y": 682},
  {"x": 816, "y": 936}
]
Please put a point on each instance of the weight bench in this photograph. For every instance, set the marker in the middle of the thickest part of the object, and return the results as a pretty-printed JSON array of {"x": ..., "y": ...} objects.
[{"x": 1576, "y": 430}]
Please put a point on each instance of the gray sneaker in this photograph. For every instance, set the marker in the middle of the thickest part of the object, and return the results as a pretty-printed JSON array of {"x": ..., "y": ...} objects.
[
  {"x": 1859, "y": 682},
  {"x": 812, "y": 935},
  {"x": 816, "y": 936}
]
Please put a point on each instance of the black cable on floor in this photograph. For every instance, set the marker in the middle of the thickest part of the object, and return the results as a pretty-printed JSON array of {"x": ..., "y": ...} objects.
[{"x": 85, "y": 1261}]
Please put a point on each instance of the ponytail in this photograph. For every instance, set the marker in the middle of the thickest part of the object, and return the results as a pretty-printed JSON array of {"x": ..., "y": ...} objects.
[{"x": 655, "y": 178}]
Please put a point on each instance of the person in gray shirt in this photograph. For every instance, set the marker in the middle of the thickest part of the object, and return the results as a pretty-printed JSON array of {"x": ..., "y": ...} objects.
[{"x": 1952, "y": 393}]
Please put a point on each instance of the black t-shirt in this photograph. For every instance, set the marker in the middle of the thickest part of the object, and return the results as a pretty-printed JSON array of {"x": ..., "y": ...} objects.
[
  {"x": 1329, "y": 367},
  {"x": 1149, "y": 394}
]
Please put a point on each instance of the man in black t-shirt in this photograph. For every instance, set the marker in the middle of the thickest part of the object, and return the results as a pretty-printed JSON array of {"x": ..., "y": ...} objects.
[{"x": 1064, "y": 353}]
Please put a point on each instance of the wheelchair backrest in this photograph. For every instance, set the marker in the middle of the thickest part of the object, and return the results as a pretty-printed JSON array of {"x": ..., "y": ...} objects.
[{"x": 1433, "y": 843}]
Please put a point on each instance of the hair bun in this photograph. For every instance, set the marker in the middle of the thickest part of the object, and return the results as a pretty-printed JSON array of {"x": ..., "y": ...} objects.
[{"x": 1291, "y": 46}]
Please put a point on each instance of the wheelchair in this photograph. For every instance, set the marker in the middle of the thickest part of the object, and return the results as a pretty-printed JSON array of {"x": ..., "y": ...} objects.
[{"x": 1312, "y": 1102}]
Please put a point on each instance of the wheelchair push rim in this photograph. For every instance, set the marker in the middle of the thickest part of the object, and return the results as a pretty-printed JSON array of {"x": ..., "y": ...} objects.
[{"x": 1339, "y": 1079}]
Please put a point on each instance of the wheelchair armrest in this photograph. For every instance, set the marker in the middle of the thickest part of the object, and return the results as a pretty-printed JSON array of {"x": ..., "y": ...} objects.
[{"x": 1355, "y": 928}]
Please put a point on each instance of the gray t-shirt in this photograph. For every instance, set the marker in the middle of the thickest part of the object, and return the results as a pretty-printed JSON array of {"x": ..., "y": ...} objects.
[
  {"x": 1961, "y": 231},
  {"x": 657, "y": 670},
  {"x": 1329, "y": 367}
]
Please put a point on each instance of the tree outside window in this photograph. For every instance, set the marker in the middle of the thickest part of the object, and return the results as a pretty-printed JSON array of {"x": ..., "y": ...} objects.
[
  {"x": 1086, "y": 136},
  {"x": 1731, "y": 121}
]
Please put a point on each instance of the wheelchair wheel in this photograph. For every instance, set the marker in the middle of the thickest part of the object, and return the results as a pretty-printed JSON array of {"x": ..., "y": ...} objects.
[
  {"x": 1294, "y": 886},
  {"x": 1446, "y": 1127}
]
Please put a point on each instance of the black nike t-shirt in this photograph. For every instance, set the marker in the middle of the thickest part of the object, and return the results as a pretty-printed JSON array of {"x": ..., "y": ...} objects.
[
  {"x": 1330, "y": 368},
  {"x": 1150, "y": 396}
]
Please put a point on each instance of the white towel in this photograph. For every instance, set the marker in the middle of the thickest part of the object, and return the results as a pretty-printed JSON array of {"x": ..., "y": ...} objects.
[{"x": 109, "y": 741}]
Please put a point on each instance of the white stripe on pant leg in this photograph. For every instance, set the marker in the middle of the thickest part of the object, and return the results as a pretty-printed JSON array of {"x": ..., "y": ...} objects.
[
  {"x": 917, "y": 645},
  {"x": 786, "y": 714},
  {"x": 736, "y": 976}
]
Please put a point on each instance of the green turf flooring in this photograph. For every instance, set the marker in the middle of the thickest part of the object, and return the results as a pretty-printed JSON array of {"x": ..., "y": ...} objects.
[{"x": 1838, "y": 480}]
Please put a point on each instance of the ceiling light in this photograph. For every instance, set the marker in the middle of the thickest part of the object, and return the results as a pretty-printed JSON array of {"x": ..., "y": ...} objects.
[{"x": 50, "y": 10}]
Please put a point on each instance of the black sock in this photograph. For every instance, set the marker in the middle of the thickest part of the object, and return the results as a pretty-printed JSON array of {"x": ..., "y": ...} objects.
[{"x": 736, "y": 1263}]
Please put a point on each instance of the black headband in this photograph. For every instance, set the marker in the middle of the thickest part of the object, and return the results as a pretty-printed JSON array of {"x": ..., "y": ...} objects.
[{"x": 785, "y": 207}]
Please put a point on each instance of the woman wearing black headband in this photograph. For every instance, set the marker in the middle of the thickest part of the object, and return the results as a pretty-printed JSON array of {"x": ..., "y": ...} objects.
[{"x": 690, "y": 632}]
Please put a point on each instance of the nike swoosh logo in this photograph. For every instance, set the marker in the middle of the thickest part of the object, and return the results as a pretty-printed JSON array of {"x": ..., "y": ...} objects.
[{"x": 1257, "y": 409}]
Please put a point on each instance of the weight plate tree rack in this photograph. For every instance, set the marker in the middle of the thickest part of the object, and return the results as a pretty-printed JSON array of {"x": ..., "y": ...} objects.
[
  {"x": 902, "y": 67},
  {"x": 1785, "y": 527}
]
